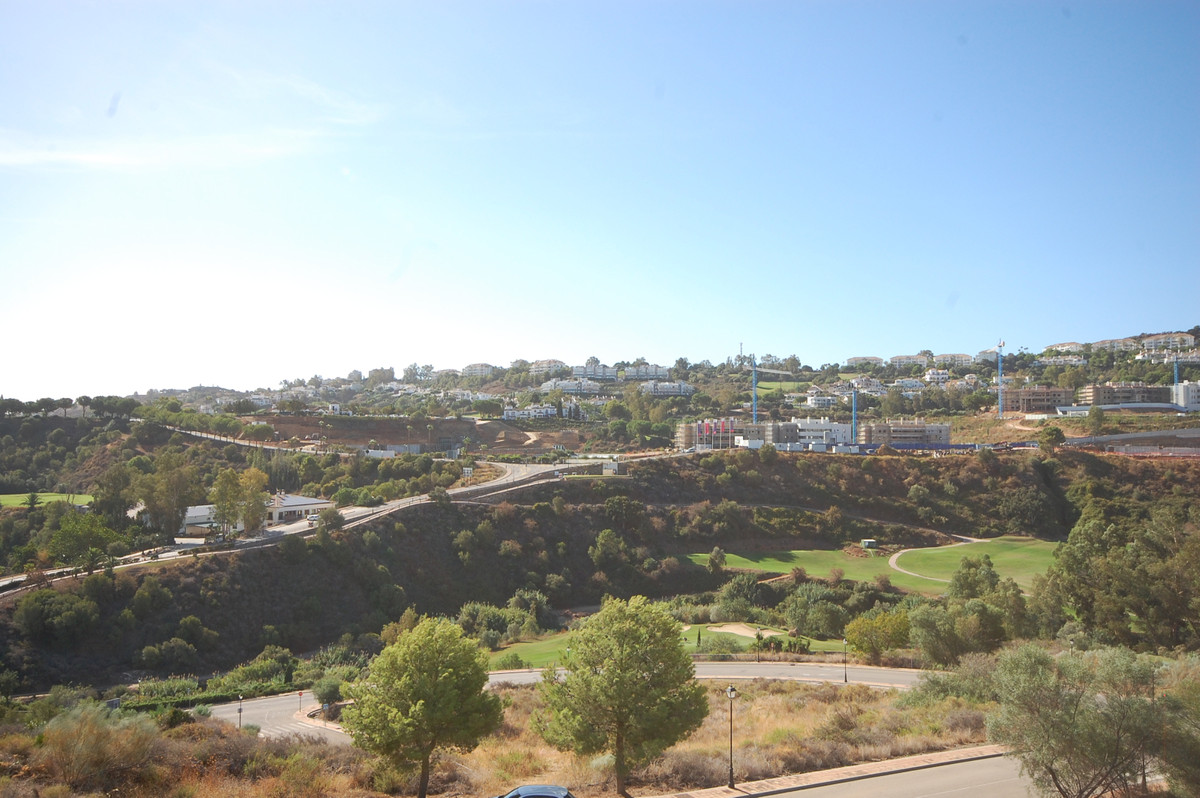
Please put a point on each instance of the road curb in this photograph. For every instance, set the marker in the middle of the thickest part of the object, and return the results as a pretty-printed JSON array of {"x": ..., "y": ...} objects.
[{"x": 822, "y": 778}]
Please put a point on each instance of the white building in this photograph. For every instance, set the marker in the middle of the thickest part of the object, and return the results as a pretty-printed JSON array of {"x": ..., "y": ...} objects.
[
  {"x": 656, "y": 388},
  {"x": 545, "y": 366},
  {"x": 530, "y": 412},
  {"x": 937, "y": 376},
  {"x": 283, "y": 507},
  {"x": 807, "y": 434},
  {"x": 1118, "y": 345},
  {"x": 1060, "y": 360},
  {"x": 909, "y": 360},
  {"x": 478, "y": 370},
  {"x": 596, "y": 372},
  {"x": 986, "y": 356},
  {"x": 953, "y": 360},
  {"x": 1154, "y": 343},
  {"x": 199, "y": 521},
  {"x": 866, "y": 360},
  {"x": 820, "y": 402},
  {"x": 571, "y": 386},
  {"x": 1069, "y": 346},
  {"x": 647, "y": 372},
  {"x": 1187, "y": 395}
]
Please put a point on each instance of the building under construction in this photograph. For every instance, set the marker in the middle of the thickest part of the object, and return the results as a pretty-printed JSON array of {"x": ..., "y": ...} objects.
[{"x": 916, "y": 432}]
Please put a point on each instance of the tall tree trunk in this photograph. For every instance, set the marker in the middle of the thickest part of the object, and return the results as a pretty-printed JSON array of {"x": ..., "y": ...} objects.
[
  {"x": 424, "y": 783},
  {"x": 619, "y": 766}
]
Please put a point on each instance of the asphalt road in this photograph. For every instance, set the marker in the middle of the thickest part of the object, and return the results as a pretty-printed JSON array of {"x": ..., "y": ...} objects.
[
  {"x": 999, "y": 777},
  {"x": 276, "y": 715},
  {"x": 796, "y": 671}
]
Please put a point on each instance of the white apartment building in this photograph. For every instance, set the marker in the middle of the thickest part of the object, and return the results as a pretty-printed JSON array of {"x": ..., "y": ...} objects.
[
  {"x": 478, "y": 370},
  {"x": 805, "y": 433},
  {"x": 545, "y": 366},
  {"x": 1060, "y": 360},
  {"x": 864, "y": 361},
  {"x": 1155, "y": 343},
  {"x": 937, "y": 376},
  {"x": 1118, "y": 345},
  {"x": 530, "y": 412},
  {"x": 1187, "y": 395},
  {"x": 909, "y": 360},
  {"x": 957, "y": 360},
  {"x": 571, "y": 386},
  {"x": 656, "y": 388},
  {"x": 647, "y": 372},
  {"x": 596, "y": 372}
]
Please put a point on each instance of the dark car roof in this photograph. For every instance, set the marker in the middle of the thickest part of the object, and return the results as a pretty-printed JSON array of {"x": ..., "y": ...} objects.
[{"x": 540, "y": 791}]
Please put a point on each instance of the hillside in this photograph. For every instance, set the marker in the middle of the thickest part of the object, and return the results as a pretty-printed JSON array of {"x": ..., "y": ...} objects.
[{"x": 434, "y": 559}]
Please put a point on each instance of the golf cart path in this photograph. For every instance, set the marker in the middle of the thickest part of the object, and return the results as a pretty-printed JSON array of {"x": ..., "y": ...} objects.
[{"x": 963, "y": 541}]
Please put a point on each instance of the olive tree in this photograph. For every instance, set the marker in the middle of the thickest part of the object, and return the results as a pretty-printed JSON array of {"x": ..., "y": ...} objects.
[
  {"x": 1081, "y": 724},
  {"x": 423, "y": 693},
  {"x": 628, "y": 689}
]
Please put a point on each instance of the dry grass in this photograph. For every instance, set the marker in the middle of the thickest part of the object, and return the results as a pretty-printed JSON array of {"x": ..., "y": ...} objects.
[{"x": 779, "y": 727}]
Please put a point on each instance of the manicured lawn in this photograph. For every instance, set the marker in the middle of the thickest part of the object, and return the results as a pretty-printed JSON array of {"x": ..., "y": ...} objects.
[
  {"x": 549, "y": 650},
  {"x": 819, "y": 562},
  {"x": 1017, "y": 557},
  {"x": 538, "y": 653},
  {"x": 17, "y": 499}
]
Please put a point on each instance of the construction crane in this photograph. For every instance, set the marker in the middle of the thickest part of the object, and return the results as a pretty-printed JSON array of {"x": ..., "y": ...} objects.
[
  {"x": 755, "y": 368},
  {"x": 1000, "y": 380}
]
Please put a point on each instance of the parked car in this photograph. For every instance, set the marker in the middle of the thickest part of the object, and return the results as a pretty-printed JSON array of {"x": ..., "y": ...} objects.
[{"x": 538, "y": 791}]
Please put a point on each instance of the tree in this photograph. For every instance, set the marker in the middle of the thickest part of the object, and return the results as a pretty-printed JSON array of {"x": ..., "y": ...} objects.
[
  {"x": 1050, "y": 439},
  {"x": 226, "y": 499},
  {"x": 716, "y": 560},
  {"x": 253, "y": 498},
  {"x": 1081, "y": 724},
  {"x": 629, "y": 687},
  {"x": 423, "y": 693},
  {"x": 872, "y": 635},
  {"x": 168, "y": 491},
  {"x": 77, "y": 536},
  {"x": 975, "y": 578},
  {"x": 1095, "y": 419}
]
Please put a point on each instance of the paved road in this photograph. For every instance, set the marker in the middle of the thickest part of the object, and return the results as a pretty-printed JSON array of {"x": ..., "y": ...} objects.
[
  {"x": 796, "y": 671},
  {"x": 994, "y": 778},
  {"x": 279, "y": 716},
  {"x": 276, "y": 715}
]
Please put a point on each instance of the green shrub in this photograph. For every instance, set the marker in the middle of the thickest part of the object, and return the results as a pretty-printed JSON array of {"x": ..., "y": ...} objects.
[{"x": 90, "y": 748}]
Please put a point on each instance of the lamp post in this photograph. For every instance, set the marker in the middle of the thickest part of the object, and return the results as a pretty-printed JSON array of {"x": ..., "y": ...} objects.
[
  {"x": 845, "y": 663},
  {"x": 732, "y": 693},
  {"x": 239, "y": 713}
]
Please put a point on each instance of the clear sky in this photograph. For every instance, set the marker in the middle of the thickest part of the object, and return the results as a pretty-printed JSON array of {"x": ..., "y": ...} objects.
[{"x": 239, "y": 193}]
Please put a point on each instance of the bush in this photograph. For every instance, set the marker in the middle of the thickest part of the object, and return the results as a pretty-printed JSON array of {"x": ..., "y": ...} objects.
[
  {"x": 89, "y": 748},
  {"x": 511, "y": 662}
]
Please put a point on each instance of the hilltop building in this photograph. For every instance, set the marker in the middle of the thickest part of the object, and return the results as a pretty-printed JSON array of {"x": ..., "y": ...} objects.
[
  {"x": 914, "y": 432},
  {"x": 1124, "y": 393}
]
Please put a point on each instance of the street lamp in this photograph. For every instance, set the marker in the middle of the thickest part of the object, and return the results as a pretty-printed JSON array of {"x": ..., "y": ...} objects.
[
  {"x": 239, "y": 713},
  {"x": 845, "y": 663},
  {"x": 732, "y": 693}
]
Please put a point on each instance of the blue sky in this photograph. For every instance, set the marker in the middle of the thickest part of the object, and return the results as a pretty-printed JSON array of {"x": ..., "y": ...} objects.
[{"x": 240, "y": 193}]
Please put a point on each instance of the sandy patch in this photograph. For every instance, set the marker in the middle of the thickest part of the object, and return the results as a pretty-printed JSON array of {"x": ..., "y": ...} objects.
[{"x": 738, "y": 629}]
